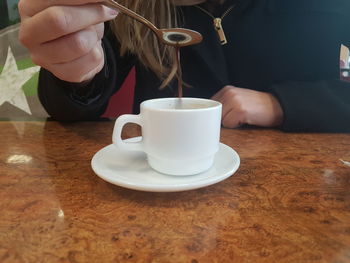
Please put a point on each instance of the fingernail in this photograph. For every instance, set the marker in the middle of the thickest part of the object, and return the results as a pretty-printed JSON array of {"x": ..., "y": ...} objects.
[{"x": 113, "y": 12}]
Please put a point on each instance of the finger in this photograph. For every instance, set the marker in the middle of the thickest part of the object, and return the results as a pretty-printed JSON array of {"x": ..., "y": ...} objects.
[
  {"x": 28, "y": 8},
  {"x": 80, "y": 69},
  {"x": 231, "y": 119},
  {"x": 227, "y": 105},
  {"x": 218, "y": 96},
  {"x": 226, "y": 97},
  {"x": 221, "y": 93},
  {"x": 59, "y": 21},
  {"x": 70, "y": 47}
]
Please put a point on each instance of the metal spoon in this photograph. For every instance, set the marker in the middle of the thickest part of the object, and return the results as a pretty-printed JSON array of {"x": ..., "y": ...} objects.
[{"x": 179, "y": 37}]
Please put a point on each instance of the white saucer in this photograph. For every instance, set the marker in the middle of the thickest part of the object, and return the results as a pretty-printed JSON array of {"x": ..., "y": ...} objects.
[{"x": 130, "y": 169}]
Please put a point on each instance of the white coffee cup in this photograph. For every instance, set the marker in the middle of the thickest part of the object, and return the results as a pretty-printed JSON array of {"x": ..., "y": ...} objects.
[{"x": 179, "y": 136}]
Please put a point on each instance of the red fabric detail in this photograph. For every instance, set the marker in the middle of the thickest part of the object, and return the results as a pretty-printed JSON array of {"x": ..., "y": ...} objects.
[{"x": 121, "y": 102}]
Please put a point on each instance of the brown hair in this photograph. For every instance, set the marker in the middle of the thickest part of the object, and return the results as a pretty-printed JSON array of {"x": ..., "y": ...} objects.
[{"x": 139, "y": 40}]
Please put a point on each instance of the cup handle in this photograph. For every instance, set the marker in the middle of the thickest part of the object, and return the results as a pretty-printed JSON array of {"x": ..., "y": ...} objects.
[{"x": 117, "y": 131}]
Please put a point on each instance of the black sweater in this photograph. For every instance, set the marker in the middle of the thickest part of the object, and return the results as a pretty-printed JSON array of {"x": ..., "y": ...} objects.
[{"x": 288, "y": 48}]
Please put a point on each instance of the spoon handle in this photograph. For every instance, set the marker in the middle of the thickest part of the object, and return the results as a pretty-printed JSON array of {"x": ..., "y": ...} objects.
[{"x": 114, "y": 5}]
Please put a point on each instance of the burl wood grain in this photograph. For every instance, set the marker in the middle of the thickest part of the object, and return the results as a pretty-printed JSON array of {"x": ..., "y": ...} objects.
[{"x": 288, "y": 202}]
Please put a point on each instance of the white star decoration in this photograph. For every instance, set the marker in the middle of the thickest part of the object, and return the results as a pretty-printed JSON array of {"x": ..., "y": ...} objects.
[{"x": 11, "y": 82}]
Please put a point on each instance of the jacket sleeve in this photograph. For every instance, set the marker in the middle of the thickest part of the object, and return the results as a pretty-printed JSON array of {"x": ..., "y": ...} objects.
[
  {"x": 65, "y": 101},
  {"x": 322, "y": 106},
  {"x": 318, "y": 106}
]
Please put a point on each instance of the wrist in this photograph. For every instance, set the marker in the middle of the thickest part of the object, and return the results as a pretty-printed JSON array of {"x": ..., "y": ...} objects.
[{"x": 277, "y": 112}]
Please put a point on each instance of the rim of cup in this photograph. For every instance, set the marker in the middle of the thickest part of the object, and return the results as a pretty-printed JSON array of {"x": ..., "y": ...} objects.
[{"x": 207, "y": 103}]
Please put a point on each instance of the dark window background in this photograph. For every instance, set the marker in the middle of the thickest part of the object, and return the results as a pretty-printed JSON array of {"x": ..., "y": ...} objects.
[{"x": 8, "y": 13}]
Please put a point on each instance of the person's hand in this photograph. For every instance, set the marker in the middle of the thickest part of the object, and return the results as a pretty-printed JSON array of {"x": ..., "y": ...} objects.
[
  {"x": 64, "y": 36},
  {"x": 245, "y": 106}
]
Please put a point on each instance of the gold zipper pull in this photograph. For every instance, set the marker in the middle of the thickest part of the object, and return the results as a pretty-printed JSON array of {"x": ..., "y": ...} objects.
[{"x": 220, "y": 31}]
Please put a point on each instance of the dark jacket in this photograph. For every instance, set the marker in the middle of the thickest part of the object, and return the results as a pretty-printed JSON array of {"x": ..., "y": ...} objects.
[{"x": 288, "y": 48}]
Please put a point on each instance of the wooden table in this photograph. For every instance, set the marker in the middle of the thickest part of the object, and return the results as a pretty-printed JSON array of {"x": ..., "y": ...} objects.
[{"x": 288, "y": 202}]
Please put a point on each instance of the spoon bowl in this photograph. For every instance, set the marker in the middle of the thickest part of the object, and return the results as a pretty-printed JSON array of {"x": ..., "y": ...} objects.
[{"x": 178, "y": 37}]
